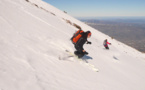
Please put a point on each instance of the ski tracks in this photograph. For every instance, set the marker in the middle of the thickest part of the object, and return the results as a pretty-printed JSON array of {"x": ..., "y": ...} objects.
[
  {"x": 83, "y": 61},
  {"x": 57, "y": 29}
]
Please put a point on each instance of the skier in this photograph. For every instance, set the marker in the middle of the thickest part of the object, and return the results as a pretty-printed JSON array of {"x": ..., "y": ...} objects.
[
  {"x": 106, "y": 44},
  {"x": 80, "y": 52}
]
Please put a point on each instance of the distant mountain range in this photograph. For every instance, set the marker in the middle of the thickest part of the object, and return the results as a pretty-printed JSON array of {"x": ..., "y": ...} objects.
[{"x": 130, "y": 31}]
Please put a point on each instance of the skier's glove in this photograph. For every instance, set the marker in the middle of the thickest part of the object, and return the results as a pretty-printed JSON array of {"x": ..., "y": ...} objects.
[
  {"x": 86, "y": 53},
  {"x": 89, "y": 42}
]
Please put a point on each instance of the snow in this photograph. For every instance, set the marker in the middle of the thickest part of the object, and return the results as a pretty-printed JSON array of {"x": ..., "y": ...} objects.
[{"x": 34, "y": 35}]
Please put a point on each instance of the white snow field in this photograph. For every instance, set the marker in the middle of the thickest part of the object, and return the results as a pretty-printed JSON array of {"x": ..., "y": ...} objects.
[{"x": 34, "y": 37}]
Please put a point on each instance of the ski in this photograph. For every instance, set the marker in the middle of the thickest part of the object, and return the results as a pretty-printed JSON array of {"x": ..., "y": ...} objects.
[{"x": 83, "y": 61}]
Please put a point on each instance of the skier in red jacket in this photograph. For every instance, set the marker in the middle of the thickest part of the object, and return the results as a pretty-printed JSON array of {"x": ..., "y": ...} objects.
[{"x": 106, "y": 44}]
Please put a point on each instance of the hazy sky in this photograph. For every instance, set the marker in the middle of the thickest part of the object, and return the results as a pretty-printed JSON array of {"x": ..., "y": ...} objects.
[{"x": 94, "y": 8}]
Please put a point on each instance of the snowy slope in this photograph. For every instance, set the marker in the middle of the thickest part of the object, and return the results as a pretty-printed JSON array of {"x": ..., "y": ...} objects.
[{"x": 33, "y": 37}]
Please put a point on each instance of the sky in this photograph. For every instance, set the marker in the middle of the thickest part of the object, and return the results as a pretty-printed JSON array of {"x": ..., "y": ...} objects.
[{"x": 95, "y": 8}]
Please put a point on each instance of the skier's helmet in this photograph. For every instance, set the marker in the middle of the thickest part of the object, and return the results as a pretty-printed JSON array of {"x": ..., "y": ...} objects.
[{"x": 89, "y": 33}]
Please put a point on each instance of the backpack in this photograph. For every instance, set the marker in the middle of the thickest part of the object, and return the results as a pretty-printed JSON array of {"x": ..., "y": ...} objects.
[{"x": 77, "y": 36}]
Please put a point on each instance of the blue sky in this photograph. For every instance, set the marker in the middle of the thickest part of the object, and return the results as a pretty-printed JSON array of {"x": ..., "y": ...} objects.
[{"x": 95, "y": 8}]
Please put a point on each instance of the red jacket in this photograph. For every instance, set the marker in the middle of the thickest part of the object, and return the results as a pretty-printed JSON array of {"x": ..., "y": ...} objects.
[{"x": 106, "y": 43}]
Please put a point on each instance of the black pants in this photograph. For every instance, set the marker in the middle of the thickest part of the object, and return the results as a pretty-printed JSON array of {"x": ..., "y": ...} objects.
[
  {"x": 107, "y": 47},
  {"x": 79, "y": 51},
  {"x": 79, "y": 48}
]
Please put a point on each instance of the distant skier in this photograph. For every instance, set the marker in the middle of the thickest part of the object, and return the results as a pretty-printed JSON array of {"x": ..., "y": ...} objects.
[
  {"x": 106, "y": 44},
  {"x": 79, "y": 39}
]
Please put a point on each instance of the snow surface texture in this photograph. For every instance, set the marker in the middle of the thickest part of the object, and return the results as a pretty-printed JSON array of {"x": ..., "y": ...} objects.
[{"x": 34, "y": 35}]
